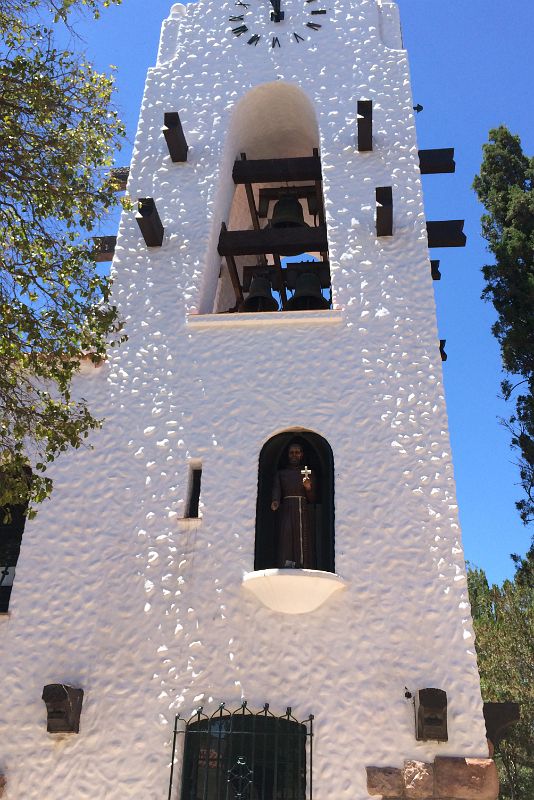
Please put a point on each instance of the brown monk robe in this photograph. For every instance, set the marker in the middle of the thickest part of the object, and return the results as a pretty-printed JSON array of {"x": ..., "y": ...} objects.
[{"x": 293, "y": 493}]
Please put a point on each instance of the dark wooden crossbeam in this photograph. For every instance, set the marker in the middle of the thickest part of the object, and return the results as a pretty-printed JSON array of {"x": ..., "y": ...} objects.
[
  {"x": 433, "y": 162},
  {"x": 446, "y": 233},
  {"x": 365, "y": 125},
  {"x": 277, "y": 170},
  {"x": 279, "y": 241},
  {"x": 104, "y": 248}
]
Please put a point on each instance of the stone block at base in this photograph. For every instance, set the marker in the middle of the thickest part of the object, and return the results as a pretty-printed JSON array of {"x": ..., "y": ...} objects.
[
  {"x": 466, "y": 778},
  {"x": 385, "y": 781},
  {"x": 2, "y": 784},
  {"x": 418, "y": 780}
]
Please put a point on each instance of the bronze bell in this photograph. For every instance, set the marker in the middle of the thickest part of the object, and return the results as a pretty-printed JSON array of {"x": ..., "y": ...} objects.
[
  {"x": 288, "y": 213},
  {"x": 308, "y": 295},
  {"x": 260, "y": 297}
]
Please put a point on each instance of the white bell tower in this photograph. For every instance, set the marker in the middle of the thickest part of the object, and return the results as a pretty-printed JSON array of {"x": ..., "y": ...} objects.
[{"x": 276, "y": 289}]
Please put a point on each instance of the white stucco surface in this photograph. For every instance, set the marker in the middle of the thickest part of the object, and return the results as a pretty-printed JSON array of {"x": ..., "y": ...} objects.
[{"x": 114, "y": 592}]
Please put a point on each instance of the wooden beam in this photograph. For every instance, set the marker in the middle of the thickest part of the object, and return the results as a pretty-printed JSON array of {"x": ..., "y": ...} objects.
[
  {"x": 443, "y": 354},
  {"x": 251, "y": 202},
  {"x": 174, "y": 136},
  {"x": 434, "y": 162},
  {"x": 365, "y": 125},
  {"x": 104, "y": 248},
  {"x": 277, "y": 170},
  {"x": 149, "y": 222},
  {"x": 446, "y": 233},
  {"x": 119, "y": 176},
  {"x": 434, "y": 269},
  {"x": 384, "y": 211},
  {"x": 234, "y": 275},
  {"x": 498, "y": 718},
  {"x": 280, "y": 241},
  {"x": 319, "y": 194}
]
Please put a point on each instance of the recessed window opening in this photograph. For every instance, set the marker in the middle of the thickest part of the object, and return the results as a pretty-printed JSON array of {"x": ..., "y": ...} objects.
[
  {"x": 193, "y": 495},
  {"x": 243, "y": 755}
]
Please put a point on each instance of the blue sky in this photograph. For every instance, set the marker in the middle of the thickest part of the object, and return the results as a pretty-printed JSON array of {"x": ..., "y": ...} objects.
[{"x": 472, "y": 69}]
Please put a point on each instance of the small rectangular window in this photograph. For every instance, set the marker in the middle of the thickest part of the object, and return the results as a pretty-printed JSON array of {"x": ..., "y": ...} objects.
[{"x": 195, "y": 477}]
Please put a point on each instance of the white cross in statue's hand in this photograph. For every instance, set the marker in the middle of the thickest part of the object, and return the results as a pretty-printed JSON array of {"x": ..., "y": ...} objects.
[{"x": 305, "y": 473}]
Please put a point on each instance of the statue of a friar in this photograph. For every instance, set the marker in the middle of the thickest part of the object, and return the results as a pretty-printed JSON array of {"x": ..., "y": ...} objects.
[{"x": 293, "y": 492}]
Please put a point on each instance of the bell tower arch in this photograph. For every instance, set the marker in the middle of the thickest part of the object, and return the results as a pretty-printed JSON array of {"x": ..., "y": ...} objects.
[{"x": 274, "y": 140}]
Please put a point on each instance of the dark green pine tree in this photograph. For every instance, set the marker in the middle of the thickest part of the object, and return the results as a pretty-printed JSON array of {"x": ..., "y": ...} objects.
[{"x": 505, "y": 188}]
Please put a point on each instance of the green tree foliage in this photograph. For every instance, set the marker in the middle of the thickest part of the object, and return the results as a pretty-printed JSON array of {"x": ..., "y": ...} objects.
[
  {"x": 503, "y": 617},
  {"x": 505, "y": 188},
  {"x": 58, "y": 133}
]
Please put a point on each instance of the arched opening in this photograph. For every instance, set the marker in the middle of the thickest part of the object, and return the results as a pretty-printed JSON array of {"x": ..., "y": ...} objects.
[
  {"x": 277, "y": 208},
  {"x": 242, "y": 755},
  {"x": 272, "y": 525}
]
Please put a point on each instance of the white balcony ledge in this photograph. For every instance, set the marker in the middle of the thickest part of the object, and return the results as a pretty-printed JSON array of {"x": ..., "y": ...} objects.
[
  {"x": 292, "y": 591},
  {"x": 265, "y": 318}
]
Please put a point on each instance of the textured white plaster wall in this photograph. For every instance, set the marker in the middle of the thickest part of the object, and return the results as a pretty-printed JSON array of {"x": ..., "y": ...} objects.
[{"x": 114, "y": 592}]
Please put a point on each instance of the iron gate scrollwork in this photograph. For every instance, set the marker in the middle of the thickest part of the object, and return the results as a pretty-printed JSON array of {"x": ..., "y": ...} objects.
[{"x": 242, "y": 755}]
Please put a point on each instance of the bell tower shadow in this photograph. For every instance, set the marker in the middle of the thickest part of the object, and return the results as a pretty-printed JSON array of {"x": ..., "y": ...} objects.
[{"x": 319, "y": 458}]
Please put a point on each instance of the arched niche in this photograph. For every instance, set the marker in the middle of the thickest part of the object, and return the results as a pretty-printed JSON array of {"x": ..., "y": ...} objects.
[
  {"x": 319, "y": 458},
  {"x": 275, "y": 120}
]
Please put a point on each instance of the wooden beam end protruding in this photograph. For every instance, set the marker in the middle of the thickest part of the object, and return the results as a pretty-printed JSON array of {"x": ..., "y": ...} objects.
[
  {"x": 119, "y": 176},
  {"x": 104, "y": 248},
  {"x": 446, "y": 233},
  {"x": 384, "y": 211},
  {"x": 149, "y": 222},
  {"x": 365, "y": 125},
  {"x": 442, "y": 352},
  {"x": 174, "y": 136},
  {"x": 436, "y": 161},
  {"x": 434, "y": 269}
]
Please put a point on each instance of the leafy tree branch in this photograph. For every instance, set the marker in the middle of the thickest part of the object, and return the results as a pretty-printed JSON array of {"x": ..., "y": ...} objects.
[{"x": 58, "y": 135}]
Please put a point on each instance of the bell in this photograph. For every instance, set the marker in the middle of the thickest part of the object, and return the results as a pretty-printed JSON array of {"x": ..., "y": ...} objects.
[
  {"x": 260, "y": 297},
  {"x": 288, "y": 213},
  {"x": 308, "y": 295}
]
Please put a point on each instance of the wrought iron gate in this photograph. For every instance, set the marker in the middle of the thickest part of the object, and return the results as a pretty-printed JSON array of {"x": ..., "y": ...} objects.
[{"x": 242, "y": 755}]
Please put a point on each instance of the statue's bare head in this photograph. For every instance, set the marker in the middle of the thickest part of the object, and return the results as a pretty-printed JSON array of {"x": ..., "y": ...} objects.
[{"x": 295, "y": 454}]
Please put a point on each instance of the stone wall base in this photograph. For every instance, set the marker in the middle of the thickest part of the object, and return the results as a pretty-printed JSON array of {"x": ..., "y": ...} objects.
[
  {"x": 2, "y": 784},
  {"x": 448, "y": 778}
]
